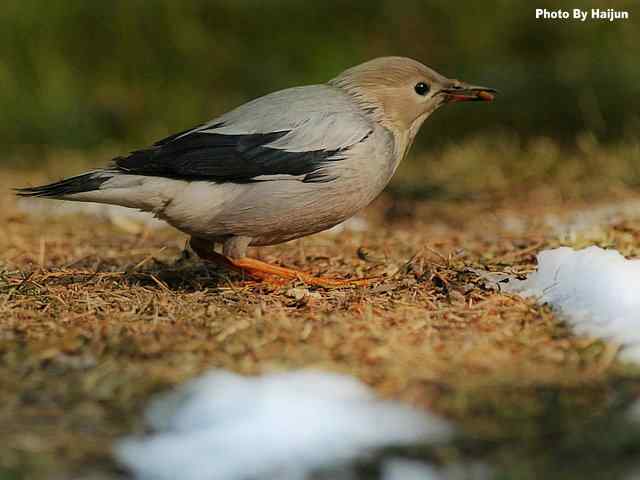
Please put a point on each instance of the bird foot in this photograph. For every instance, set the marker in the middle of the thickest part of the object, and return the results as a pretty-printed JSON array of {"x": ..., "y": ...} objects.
[
  {"x": 274, "y": 274},
  {"x": 268, "y": 272}
]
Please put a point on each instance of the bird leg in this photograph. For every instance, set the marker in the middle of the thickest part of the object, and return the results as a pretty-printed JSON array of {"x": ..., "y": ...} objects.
[{"x": 268, "y": 272}]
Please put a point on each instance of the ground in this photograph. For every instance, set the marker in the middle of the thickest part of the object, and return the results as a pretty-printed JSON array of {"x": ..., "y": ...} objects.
[{"x": 97, "y": 315}]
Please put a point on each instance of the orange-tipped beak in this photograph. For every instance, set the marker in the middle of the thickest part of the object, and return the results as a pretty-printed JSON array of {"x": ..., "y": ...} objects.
[{"x": 461, "y": 92}]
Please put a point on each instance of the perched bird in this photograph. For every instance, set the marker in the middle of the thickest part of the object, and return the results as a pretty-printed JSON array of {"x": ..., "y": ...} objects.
[{"x": 282, "y": 166}]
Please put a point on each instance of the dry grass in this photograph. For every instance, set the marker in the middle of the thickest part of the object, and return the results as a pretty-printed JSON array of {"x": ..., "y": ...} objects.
[{"x": 96, "y": 318}]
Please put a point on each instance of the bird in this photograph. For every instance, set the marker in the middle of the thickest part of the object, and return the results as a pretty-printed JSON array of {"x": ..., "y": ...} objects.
[{"x": 282, "y": 166}]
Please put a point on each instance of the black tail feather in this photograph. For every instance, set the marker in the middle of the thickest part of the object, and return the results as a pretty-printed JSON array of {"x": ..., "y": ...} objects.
[{"x": 78, "y": 184}]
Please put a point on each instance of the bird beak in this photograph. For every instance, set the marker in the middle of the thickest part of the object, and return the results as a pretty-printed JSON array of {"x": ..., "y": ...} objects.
[{"x": 462, "y": 92}]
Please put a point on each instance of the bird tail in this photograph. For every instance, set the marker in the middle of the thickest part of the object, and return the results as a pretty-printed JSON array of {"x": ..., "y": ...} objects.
[
  {"x": 87, "y": 182},
  {"x": 109, "y": 186}
]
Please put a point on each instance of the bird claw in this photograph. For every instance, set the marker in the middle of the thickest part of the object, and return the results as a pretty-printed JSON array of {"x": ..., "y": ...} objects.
[
  {"x": 275, "y": 274},
  {"x": 281, "y": 275}
]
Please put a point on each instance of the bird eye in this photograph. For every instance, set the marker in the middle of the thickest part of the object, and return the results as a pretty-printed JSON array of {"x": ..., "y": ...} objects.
[{"x": 421, "y": 88}]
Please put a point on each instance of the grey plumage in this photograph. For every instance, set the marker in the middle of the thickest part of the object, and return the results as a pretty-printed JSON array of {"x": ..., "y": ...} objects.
[
  {"x": 271, "y": 135},
  {"x": 281, "y": 166}
]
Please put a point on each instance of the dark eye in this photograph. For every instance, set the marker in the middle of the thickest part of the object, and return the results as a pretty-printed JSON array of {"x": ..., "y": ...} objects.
[{"x": 421, "y": 88}]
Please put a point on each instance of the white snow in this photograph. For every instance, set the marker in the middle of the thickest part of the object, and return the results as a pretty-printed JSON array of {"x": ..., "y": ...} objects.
[
  {"x": 279, "y": 427},
  {"x": 403, "y": 469},
  {"x": 594, "y": 219},
  {"x": 578, "y": 222},
  {"x": 353, "y": 224},
  {"x": 397, "y": 468},
  {"x": 597, "y": 291}
]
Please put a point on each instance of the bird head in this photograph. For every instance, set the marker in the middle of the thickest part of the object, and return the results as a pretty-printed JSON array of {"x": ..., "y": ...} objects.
[{"x": 401, "y": 93}]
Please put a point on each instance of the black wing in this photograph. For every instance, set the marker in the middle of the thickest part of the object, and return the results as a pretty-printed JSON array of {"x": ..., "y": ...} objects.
[{"x": 238, "y": 158}]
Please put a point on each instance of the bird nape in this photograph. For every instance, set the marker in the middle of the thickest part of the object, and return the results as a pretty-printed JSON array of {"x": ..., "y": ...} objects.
[{"x": 279, "y": 167}]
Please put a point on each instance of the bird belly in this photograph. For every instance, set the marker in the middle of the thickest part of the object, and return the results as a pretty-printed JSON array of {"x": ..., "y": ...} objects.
[
  {"x": 269, "y": 212},
  {"x": 281, "y": 209}
]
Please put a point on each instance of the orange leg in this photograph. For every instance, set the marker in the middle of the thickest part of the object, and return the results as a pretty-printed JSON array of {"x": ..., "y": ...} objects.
[{"x": 267, "y": 272}]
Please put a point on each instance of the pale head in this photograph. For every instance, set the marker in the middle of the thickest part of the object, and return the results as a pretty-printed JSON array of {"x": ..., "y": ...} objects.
[{"x": 401, "y": 93}]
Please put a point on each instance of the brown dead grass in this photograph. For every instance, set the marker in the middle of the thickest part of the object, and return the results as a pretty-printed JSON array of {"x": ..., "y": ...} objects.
[{"x": 94, "y": 319}]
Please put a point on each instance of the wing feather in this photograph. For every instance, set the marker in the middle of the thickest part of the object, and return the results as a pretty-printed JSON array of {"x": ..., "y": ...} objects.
[{"x": 265, "y": 138}]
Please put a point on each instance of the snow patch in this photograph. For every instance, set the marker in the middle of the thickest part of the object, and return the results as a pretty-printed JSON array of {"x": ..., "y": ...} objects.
[
  {"x": 412, "y": 469},
  {"x": 402, "y": 469},
  {"x": 597, "y": 291},
  {"x": 593, "y": 219},
  {"x": 353, "y": 224},
  {"x": 568, "y": 225},
  {"x": 280, "y": 427}
]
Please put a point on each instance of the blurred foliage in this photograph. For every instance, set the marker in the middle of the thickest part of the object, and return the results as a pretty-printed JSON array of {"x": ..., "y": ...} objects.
[
  {"x": 512, "y": 168},
  {"x": 81, "y": 74}
]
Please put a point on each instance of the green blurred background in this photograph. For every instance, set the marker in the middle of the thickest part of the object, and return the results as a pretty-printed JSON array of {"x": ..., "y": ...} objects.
[{"x": 84, "y": 74}]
